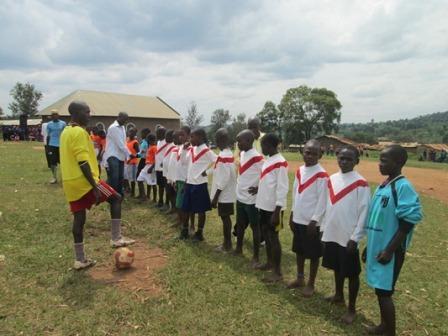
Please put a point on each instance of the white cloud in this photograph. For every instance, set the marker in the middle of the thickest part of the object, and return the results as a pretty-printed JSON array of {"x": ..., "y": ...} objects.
[{"x": 385, "y": 59}]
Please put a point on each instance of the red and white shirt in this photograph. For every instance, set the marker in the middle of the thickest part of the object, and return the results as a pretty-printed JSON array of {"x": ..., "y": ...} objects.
[
  {"x": 274, "y": 184},
  {"x": 224, "y": 177},
  {"x": 183, "y": 158},
  {"x": 347, "y": 207},
  {"x": 161, "y": 148},
  {"x": 309, "y": 194},
  {"x": 166, "y": 158},
  {"x": 172, "y": 165},
  {"x": 251, "y": 163},
  {"x": 200, "y": 158}
]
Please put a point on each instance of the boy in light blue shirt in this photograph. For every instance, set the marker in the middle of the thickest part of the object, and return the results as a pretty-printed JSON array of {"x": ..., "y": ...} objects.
[
  {"x": 54, "y": 130},
  {"x": 395, "y": 210}
]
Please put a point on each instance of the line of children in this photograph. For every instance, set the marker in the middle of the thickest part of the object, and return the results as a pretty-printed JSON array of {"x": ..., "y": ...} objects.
[{"x": 131, "y": 164}]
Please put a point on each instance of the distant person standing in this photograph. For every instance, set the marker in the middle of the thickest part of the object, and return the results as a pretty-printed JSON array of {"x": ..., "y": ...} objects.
[
  {"x": 116, "y": 152},
  {"x": 254, "y": 125},
  {"x": 54, "y": 129}
]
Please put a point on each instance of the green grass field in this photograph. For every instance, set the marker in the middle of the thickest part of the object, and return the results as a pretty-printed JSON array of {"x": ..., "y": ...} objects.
[{"x": 205, "y": 293}]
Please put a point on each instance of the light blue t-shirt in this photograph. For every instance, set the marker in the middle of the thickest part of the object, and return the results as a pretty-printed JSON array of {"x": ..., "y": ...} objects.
[
  {"x": 383, "y": 223},
  {"x": 54, "y": 130},
  {"x": 143, "y": 148}
]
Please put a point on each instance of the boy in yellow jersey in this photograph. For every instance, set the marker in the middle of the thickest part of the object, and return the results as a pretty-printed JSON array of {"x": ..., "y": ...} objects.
[{"x": 81, "y": 183}]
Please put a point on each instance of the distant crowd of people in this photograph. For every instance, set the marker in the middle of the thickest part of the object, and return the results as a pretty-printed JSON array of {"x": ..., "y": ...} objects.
[{"x": 329, "y": 215}]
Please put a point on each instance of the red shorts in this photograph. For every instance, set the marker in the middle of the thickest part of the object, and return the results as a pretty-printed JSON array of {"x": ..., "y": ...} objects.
[{"x": 88, "y": 199}]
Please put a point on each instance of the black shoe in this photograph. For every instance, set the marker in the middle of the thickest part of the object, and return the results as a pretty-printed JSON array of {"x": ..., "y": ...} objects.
[
  {"x": 198, "y": 236},
  {"x": 184, "y": 234}
]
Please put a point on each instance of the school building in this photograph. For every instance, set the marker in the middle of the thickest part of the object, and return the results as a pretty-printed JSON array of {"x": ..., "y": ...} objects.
[{"x": 143, "y": 111}]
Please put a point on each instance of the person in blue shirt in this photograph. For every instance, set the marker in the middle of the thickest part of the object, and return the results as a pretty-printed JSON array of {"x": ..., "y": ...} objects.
[
  {"x": 394, "y": 211},
  {"x": 54, "y": 130}
]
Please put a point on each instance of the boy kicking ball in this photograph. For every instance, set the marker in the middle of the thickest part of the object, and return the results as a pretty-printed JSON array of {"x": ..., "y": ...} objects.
[
  {"x": 81, "y": 183},
  {"x": 394, "y": 212},
  {"x": 344, "y": 226}
]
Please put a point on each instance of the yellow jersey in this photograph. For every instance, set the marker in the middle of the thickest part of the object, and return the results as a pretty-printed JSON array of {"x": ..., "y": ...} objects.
[{"x": 76, "y": 146}]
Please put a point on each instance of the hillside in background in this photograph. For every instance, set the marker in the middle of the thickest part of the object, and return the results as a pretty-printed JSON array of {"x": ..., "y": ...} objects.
[{"x": 430, "y": 128}]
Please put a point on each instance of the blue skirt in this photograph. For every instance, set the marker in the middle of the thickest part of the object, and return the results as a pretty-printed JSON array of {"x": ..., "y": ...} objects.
[{"x": 196, "y": 198}]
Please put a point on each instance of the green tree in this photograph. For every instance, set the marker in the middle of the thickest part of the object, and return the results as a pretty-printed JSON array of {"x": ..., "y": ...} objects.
[
  {"x": 445, "y": 138},
  {"x": 309, "y": 111},
  {"x": 1, "y": 112},
  {"x": 271, "y": 118},
  {"x": 25, "y": 99},
  {"x": 238, "y": 124},
  {"x": 220, "y": 118},
  {"x": 193, "y": 118}
]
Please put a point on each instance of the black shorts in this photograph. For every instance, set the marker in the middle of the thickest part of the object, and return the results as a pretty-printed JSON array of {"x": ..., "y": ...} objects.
[
  {"x": 303, "y": 246},
  {"x": 336, "y": 258},
  {"x": 141, "y": 165},
  {"x": 52, "y": 155},
  {"x": 225, "y": 209},
  {"x": 399, "y": 261},
  {"x": 161, "y": 180},
  {"x": 265, "y": 221}
]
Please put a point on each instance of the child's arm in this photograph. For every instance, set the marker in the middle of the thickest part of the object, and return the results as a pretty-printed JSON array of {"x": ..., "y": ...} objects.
[
  {"x": 363, "y": 208},
  {"x": 409, "y": 213},
  {"x": 321, "y": 205},
  {"x": 281, "y": 194},
  {"x": 293, "y": 200}
]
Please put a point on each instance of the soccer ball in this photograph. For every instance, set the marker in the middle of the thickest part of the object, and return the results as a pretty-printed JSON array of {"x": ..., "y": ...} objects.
[{"x": 123, "y": 257}]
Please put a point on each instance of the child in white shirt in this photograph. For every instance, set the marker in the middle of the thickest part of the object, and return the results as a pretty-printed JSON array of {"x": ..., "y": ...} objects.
[
  {"x": 161, "y": 148},
  {"x": 271, "y": 200},
  {"x": 223, "y": 191},
  {"x": 309, "y": 200},
  {"x": 169, "y": 188},
  {"x": 344, "y": 226}
]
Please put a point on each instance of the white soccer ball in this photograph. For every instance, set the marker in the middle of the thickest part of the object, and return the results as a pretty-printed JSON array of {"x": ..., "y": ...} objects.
[{"x": 124, "y": 257}]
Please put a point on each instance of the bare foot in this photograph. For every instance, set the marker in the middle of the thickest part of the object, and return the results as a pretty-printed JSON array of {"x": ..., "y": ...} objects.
[
  {"x": 273, "y": 278},
  {"x": 348, "y": 317},
  {"x": 335, "y": 299},
  {"x": 308, "y": 291},
  {"x": 264, "y": 267},
  {"x": 297, "y": 283},
  {"x": 376, "y": 330}
]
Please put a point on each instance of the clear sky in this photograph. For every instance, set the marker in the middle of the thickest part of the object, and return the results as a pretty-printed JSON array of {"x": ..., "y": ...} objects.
[{"x": 385, "y": 59}]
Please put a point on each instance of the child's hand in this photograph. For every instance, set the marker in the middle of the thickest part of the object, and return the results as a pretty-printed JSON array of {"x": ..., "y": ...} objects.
[
  {"x": 384, "y": 257},
  {"x": 364, "y": 255},
  {"x": 253, "y": 190},
  {"x": 311, "y": 230},
  {"x": 351, "y": 246},
  {"x": 275, "y": 219},
  {"x": 97, "y": 194},
  {"x": 150, "y": 170},
  {"x": 214, "y": 202},
  {"x": 204, "y": 173}
]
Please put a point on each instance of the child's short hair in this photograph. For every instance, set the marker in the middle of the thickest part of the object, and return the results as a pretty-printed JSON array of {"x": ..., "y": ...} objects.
[
  {"x": 144, "y": 132},
  {"x": 101, "y": 133},
  {"x": 151, "y": 138},
  {"x": 186, "y": 129},
  {"x": 200, "y": 132},
  {"x": 271, "y": 138},
  {"x": 350, "y": 148},
  {"x": 398, "y": 153}
]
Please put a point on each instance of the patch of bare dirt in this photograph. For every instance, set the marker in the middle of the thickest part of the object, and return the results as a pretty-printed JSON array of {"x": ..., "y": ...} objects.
[
  {"x": 431, "y": 182},
  {"x": 39, "y": 148},
  {"x": 140, "y": 278}
]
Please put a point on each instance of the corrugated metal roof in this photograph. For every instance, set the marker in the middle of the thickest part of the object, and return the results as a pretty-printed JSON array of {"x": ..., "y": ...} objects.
[
  {"x": 108, "y": 104},
  {"x": 16, "y": 122},
  {"x": 436, "y": 147},
  {"x": 341, "y": 139}
]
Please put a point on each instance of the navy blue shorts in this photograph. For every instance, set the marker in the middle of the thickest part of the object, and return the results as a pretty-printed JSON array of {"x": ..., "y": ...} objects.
[{"x": 196, "y": 198}]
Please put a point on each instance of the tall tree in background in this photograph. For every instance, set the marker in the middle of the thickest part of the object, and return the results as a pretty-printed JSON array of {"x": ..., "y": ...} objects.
[
  {"x": 25, "y": 99},
  {"x": 219, "y": 119},
  {"x": 238, "y": 124},
  {"x": 193, "y": 118},
  {"x": 271, "y": 118},
  {"x": 309, "y": 111},
  {"x": 1, "y": 112}
]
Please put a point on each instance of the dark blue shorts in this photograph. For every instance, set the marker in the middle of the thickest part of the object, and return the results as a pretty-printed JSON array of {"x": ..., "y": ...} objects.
[{"x": 196, "y": 198}]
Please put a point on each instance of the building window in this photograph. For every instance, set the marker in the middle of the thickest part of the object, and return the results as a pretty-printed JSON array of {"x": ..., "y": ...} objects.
[{"x": 100, "y": 126}]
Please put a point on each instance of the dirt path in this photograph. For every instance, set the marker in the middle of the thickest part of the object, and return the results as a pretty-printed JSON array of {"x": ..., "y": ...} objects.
[{"x": 429, "y": 182}]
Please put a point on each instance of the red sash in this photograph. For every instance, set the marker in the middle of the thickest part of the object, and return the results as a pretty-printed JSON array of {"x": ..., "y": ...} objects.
[
  {"x": 194, "y": 158},
  {"x": 224, "y": 160},
  {"x": 302, "y": 187},
  {"x": 168, "y": 151},
  {"x": 272, "y": 167},
  {"x": 161, "y": 148},
  {"x": 250, "y": 163},
  {"x": 334, "y": 198}
]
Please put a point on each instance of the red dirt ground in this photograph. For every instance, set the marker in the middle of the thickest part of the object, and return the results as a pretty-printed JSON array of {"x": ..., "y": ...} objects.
[
  {"x": 431, "y": 182},
  {"x": 140, "y": 278}
]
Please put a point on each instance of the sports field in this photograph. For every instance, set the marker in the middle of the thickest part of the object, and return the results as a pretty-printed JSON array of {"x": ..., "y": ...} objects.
[{"x": 180, "y": 288}]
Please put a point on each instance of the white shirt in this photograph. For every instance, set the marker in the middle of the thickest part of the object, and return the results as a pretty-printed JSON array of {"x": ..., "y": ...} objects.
[
  {"x": 200, "y": 158},
  {"x": 274, "y": 184},
  {"x": 251, "y": 163},
  {"x": 347, "y": 206},
  {"x": 43, "y": 132},
  {"x": 182, "y": 163},
  {"x": 224, "y": 177},
  {"x": 309, "y": 194},
  {"x": 161, "y": 148},
  {"x": 166, "y": 158},
  {"x": 116, "y": 142},
  {"x": 172, "y": 165}
]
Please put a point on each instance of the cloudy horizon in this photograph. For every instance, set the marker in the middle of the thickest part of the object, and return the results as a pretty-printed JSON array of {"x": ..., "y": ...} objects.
[{"x": 384, "y": 59}]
